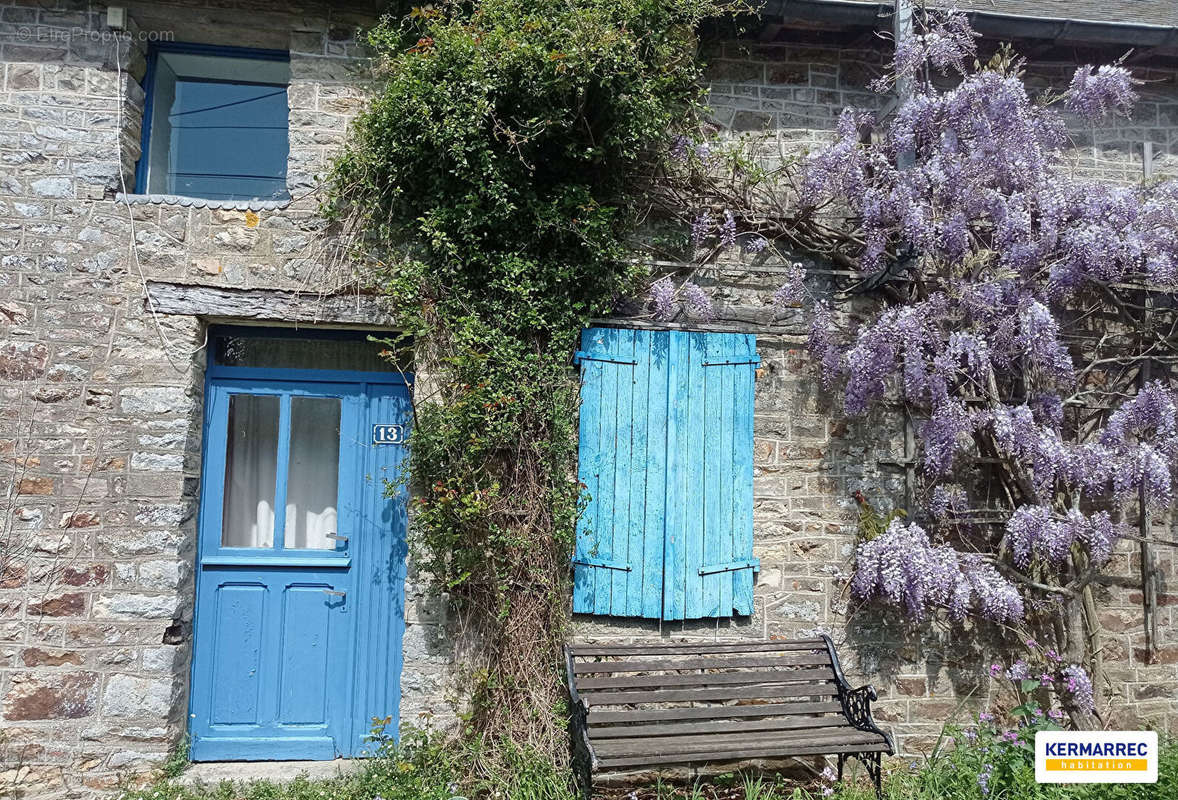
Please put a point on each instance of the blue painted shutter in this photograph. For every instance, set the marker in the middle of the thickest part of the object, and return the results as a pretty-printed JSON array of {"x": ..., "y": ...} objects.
[
  {"x": 666, "y": 440},
  {"x": 617, "y": 568}
]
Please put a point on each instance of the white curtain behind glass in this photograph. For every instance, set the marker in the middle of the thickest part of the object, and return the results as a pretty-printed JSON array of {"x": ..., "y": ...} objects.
[
  {"x": 313, "y": 474},
  {"x": 251, "y": 464}
]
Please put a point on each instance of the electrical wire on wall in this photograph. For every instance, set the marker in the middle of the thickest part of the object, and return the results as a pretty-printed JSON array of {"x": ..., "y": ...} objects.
[{"x": 132, "y": 244}]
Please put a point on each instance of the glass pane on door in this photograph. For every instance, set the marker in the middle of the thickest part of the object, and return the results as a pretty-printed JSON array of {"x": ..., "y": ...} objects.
[
  {"x": 313, "y": 473},
  {"x": 251, "y": 468}
]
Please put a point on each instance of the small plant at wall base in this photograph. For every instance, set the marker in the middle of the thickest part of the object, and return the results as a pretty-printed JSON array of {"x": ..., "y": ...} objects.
[
  {"x": 1022, "y": 315},
  {"x": 488, "y": 190}
]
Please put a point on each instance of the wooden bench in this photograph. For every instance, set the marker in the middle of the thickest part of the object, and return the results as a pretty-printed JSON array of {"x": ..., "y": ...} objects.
[{"x": 652, "y": 706}]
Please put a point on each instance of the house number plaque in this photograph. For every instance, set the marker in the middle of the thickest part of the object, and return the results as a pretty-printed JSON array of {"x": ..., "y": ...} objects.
[{"x": 388, "y": 434}]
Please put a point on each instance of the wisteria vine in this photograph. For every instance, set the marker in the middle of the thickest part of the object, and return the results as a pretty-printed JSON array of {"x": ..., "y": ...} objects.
[{"x": 1020, "y": 308}]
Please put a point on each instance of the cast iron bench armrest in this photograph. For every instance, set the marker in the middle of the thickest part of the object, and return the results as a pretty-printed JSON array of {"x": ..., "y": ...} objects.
[
  {"x": 856, "y": 702},
  {"x": 578, "y": 714}
]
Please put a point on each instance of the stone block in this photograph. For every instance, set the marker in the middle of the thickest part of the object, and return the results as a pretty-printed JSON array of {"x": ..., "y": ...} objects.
[
  {"x": 127, "y": 605},
  {"x": 71, "y": 604},
  {"x": 36, "y": 657},
  {"x": 53, "y": 187},
  {"x": 45, "y": 696},
  {"x": 129, "y": 696},
  {"x": 155, "y": 400}
]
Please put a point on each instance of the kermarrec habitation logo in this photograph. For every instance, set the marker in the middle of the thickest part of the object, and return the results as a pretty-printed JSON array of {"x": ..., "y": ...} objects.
[{"x": 1096, "y": 757}]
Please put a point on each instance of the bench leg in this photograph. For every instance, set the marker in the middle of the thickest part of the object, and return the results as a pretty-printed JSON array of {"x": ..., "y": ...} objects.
[
  {"x": 874, "y": 763},
  {"x": 583, "y": 771}
]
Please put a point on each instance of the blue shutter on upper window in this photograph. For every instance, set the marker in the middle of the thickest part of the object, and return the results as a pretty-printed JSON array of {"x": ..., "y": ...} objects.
[{"x": 666, "y": 440}]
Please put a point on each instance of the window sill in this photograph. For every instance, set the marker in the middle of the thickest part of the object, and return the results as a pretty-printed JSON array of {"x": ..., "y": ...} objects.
[{"x": 201, "y": 202}]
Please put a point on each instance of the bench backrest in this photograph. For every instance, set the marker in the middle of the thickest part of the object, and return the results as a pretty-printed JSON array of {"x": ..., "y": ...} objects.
[{"x": 792, "y": 681}]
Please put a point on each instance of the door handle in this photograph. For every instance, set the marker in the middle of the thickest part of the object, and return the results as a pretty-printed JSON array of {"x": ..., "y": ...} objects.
[
  {"x": 334, "y": 593},
  {"x": 336, "y": 536}
]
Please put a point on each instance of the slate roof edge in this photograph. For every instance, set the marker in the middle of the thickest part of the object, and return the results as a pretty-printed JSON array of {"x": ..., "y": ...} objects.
[{"x": 989, "y": 23}]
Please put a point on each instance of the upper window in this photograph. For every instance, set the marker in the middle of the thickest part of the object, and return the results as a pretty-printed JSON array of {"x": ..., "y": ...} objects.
[
  {"x": 666, "y": 456},
  {"x": 215, "y": 123}
]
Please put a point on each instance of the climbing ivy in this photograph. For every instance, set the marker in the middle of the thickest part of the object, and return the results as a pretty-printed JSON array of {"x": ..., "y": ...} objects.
[{"x": 492, "y": 185}]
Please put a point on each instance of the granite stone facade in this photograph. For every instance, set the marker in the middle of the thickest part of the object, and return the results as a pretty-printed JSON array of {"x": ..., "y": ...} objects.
[{"x": 101, "y": 394}]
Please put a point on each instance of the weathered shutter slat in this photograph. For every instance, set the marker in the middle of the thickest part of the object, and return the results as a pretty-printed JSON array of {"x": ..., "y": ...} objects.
[
  {"x": 588, "y": 436},
  {"x": 742, "y": 467},
  {"x": 678, "y": 385},
  {"x": 636, "y": 501},
  {"x": 624, "y": 422},
  {"x": 728, "y": 374},
  {"x": 696, "y": 490},
  {"x": 607, "y": 450},
  {"x": 656, "y": 372}
]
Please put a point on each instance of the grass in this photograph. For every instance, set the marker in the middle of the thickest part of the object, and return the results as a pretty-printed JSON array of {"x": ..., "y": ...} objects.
[{"x": 424, "y": 768}]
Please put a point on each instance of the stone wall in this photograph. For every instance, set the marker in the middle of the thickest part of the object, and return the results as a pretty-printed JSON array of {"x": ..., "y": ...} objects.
[{"x": 101, "y": 400}]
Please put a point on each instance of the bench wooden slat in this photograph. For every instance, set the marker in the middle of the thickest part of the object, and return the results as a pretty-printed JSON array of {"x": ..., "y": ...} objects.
[
  {"x": 588, "y": 685},
  {"x": 623, "y": 731},
  {"x": 764, "y": 692},
  {"x": 600, "y": 717},
  {"x": 689, "y": 648},
  {"x": 724, "y": 742},
  {"x": 784, "y": 751},
  {"x": 786, "y": 659}
]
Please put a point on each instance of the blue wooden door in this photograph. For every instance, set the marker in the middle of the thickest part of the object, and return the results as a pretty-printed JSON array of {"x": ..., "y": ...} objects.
[{"x": 300, "y": 606}]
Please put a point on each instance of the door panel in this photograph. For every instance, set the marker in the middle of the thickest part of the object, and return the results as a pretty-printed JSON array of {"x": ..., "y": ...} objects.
[
  {"x": 293, "y": 508},
  {"x": 239, "y": 624},
  {"x": 306, "y": 654}
]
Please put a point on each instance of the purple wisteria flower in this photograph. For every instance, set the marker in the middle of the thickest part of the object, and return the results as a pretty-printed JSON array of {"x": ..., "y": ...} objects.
[
  {"x": 756, "y": 244},
  {"x": 823, "y": 345},
  {"x": 793, "y": 291},
  {"x": 701, "y": 227},
  {"x": 948, "y": 501},
  {"x": 902, "y": 566},
  {"x": 1019, "y": 671},
  {"x": 697, "y": 303},
  {"x": 678, "y": 149},
  {"x": 728, "y": 230},
  {"x": 662, "y": 298},
  {"x": 1079, "y": 685},
  {"x": 945, "y": 45},
  {"x": 1037, "y": 532},
  {"x": 1096, "y": 93}
]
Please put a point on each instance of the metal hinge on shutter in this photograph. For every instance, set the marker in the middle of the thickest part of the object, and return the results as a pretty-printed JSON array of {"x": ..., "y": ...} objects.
[
  {"x": 603, "y": 563},
  {"x": 732, "y": 566},
  {"x": 753, "y": 360},
  {"x": 581, "y": 355}
]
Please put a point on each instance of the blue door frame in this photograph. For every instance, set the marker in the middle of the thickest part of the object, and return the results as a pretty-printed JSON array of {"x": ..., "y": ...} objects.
[{"x": 295, "y": 651}]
